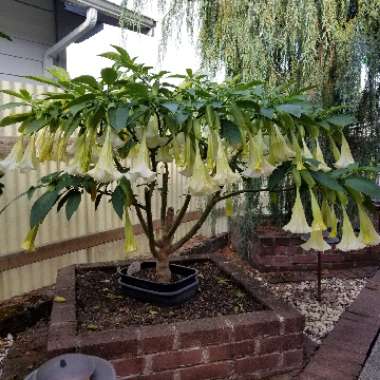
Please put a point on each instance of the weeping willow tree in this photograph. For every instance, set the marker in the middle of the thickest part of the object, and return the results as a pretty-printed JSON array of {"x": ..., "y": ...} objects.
[{"x": 331, "y": 46}]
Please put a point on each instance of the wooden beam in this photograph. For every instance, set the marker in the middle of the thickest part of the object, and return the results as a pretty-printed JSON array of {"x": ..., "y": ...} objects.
[{"x": 49, "y": 251}]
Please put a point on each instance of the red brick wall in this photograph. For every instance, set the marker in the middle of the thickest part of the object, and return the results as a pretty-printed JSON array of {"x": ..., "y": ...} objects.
[
  {"x": 247, "y": 346},
  {"x": 271, "y": 251}
]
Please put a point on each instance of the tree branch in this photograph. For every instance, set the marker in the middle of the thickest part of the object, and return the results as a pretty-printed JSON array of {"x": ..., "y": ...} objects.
[
  {"x": 141, "y": 220},
  {"x": 232, "y": 194},
  {"x": 179, "y": 217},
  {"x": 149, "y": 217},
  {"x": 210, "y": 204},
  {"x": 164, "y": 196}
]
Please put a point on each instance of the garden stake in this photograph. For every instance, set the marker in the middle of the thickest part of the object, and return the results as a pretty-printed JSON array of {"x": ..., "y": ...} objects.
[{"x": 319, "y": 286}]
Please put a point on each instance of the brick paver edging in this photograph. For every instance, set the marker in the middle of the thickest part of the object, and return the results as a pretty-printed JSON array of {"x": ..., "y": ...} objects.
[
  {"x": 345, "y": 350},
  {"x": 244, "y": 346}
]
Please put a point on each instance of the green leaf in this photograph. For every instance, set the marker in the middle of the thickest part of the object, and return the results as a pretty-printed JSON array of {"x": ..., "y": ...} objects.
[
  {"x": 29, "y": 127},
  {"x": 267, "y": 112},
  {"x": 5, "y": 36},
  {"x": 79, "y": 103},
  {"x": 111, "y": 55},
  {"x": 119, "y": 117},
  {"x": 109, "y": 75},
  {"x": 230, "y": 131},
  {"x": 60, "y": 73},
  {"x": 72, "y": 203},
  {"x": 43, "y": 80},
  {"x": 13, "y": 119},
  {"x": 41, "y": 207},
  {"x": 137, "y": 90},
  {"x": 97, "y": 200},
  {"x": 118, "y": 199},
  {"x": 62, "y": 201},
  {"x": 341, "y": 120},
  {"x": 293, "y": 109},
  {"x": 123, "y": 53},
  {"x": 328, "y": 181},
  {"x": 170, "y": 106},
  {"x": 26, "y": 94},
  {"x": 14, "y": 93},
  {"x": 278, "y": 175},
  {"x": 363, "y": 185},
  {"x": 87, "y": 79},
  {"x": 30, "y": 192},
  {"x": 12, "y": 105}
]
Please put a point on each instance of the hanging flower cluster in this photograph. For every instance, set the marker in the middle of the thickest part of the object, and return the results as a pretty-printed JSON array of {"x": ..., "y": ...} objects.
[{"x": 125, "y": 130}]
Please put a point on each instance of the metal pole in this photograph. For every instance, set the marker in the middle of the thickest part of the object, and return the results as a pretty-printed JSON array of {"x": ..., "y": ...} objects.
[{"x": 319, "y": 285}]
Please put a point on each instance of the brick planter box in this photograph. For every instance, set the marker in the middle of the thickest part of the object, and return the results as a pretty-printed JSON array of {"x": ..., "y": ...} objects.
[
  {"x": 276, "y": 250},
  {"x": 251, "y": 345}
]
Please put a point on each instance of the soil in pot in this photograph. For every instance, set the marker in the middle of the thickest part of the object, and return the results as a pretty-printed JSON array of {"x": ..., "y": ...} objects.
[{"x": 101, "y": 305}]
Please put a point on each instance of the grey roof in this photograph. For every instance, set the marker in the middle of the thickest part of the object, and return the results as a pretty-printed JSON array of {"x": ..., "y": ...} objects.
[{"x": 110, "y": 14}]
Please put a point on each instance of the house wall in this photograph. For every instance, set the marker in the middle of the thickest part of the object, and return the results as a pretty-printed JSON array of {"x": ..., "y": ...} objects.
[{"x": 31, "y": 25}]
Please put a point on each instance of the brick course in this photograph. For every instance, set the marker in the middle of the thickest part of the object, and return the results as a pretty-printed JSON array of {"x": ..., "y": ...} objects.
[
  {"x": 344, "y": 351},
  {"x": 244, "y": 346},
  {"x": 280, "y": 251}
]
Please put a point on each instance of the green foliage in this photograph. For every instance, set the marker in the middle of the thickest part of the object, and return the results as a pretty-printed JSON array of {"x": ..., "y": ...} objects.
[
  {"x": 5, "y": 36},
  {"x": 131, "y": 120}
]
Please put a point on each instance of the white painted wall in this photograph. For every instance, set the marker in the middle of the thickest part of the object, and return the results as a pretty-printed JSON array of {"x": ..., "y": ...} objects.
[{"x": 31, "y": 25}]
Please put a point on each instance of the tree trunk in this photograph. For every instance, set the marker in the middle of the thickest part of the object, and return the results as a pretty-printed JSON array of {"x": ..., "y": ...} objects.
[{"x": 162, "y": 266}]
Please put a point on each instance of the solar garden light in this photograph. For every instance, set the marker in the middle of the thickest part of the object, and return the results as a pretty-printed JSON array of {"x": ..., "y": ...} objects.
[{"x": 74, "y": 367}]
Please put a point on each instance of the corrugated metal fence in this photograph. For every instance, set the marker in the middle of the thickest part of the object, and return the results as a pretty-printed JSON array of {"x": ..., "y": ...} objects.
[{"x": 14, "y": 222}]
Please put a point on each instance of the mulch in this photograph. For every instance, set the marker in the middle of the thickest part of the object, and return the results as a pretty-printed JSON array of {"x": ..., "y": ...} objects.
[{"x": 101, "y": 305}]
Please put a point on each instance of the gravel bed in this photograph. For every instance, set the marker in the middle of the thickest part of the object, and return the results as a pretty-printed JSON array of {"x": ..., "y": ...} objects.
[{"x": 320, "y": 317}]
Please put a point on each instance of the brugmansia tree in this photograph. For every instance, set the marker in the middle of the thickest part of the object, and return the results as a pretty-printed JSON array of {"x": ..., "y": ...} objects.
[{"x": 125, "y": 129}]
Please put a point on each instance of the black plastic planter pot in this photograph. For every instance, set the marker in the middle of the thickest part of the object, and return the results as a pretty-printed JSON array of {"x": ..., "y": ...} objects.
[{"x": 165, "y": 294}]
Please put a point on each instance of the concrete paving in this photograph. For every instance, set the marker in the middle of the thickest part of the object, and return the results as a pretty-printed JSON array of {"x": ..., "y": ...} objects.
[{"x": 371, "y": 370}]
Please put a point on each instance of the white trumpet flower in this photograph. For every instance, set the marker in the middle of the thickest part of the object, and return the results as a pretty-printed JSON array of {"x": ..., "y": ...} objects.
[
  {"x": 140, "y": 165},
  {"x": 129, "y": 237},
  {"x": 212, "y": 149},
  {"x": 298, "y": 223},
  {"x": 164, "y": 154},
  {"x": 186, "y": 169},
  {"x": 28, "y": 243},
  {"x": 349, "y": 241},
  {"x": 279, "y": 149},
  {"x": 179, "y": 142},
  {"x": 224, "y": 175},
  {"x": 368, "y": 234},
  {"x": 328, "y": 215},
  {"x": 316, "y": 242},
  {"x": 14, "y": 157},
  {"x": 318, "y": 223},
  {"x": 200, "y": 183},
  {"x": 80, "y": 163},
  {"x": 318, "y": 155},
  {"x": 152, "y": 134},
  {"x": 258, "y": 165},
  {"x": 105, "y": 170},
  {"x": 306, "y": 151},
  {"x": 29, "y": 159},
  {"x": 345, "y": 158},
  {"x": 45, "y": 144}
]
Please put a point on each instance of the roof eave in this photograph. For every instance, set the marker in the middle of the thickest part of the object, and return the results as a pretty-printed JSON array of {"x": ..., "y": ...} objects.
[{"x": 140, "y": 23}]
